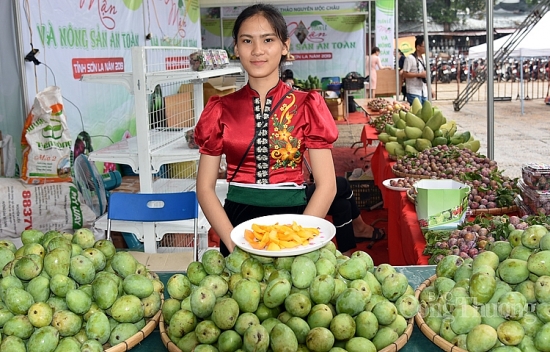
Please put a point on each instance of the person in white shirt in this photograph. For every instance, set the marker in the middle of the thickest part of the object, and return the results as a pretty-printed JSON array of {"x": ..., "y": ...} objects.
[{"x": 414, "y": 72}]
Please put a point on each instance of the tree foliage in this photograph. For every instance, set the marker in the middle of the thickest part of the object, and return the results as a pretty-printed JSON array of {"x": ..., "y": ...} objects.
[{"x": 445, "y": 12}]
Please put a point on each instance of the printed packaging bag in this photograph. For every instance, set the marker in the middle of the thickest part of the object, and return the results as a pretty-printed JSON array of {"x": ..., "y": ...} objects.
[{"x": 46, "y": 140}]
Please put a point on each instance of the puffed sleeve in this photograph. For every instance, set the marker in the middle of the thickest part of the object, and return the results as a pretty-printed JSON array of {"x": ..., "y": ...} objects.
[
  {"x": 208, "y": 131},
  {"x": 321, "y": 132}
]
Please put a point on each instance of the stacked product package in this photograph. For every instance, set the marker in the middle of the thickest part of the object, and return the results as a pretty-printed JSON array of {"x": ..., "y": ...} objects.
[{"x": 534, "y": 187}]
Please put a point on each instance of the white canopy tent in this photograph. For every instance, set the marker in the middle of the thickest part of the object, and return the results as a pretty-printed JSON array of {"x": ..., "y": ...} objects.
[{"x": 532, "y": 45}]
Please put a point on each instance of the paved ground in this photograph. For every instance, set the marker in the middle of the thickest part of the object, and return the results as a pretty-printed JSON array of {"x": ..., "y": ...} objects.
[{"x": 518, "y": 138}]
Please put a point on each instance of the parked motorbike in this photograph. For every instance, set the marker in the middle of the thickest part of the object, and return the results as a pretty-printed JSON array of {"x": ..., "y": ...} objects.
[{"x": 444, "y": 72}]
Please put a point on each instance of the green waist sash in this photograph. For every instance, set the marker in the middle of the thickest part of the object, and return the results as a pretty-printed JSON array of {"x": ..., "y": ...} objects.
[{"x": 267, "y": 197}]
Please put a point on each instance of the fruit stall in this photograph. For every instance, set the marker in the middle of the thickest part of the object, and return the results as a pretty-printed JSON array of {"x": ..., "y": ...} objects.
[{"x": 61, "y": 292}]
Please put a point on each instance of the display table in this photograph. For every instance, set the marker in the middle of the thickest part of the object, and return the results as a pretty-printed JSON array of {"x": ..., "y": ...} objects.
[
  {"x": 417, "y": 343},
  {"x": 405, "y": 239},
  {"x": 364, "y": 104},
  {"x": 368, "y": 135}
]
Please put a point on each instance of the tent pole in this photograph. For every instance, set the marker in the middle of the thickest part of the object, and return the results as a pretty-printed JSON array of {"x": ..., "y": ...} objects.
[
  {"x": 396, "y": 52},
  {"x": 369, "y": 50},
  {"x": 521, "y": 92},
  {"x": 490, "y": 83},
  {"x": 427, "y": 47}
]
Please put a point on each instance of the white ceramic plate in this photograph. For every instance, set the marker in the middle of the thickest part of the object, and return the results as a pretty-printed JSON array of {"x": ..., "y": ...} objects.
[
  {"x": 387, "y": 184},
  {"x": 326, "y": 228}
]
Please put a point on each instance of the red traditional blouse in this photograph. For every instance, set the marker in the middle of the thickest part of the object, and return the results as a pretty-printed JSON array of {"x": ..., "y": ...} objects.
[{"x": 228, "y": 124}]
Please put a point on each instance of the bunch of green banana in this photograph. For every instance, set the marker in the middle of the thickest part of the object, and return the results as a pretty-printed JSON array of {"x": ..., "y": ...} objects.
[{"x": 423, "y": 127}]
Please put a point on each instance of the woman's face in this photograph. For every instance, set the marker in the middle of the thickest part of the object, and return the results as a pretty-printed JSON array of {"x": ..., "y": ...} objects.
[{"x": 259, "y": 48}]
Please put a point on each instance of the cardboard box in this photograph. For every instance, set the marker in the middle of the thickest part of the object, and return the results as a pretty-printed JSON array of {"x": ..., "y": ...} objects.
[
  {"x": 385, "y": 83},
  {"x": 165, "y": 262},
  {"x": 180, "y": 108},
  {"x": 441, "y": 204},
  {"x": 336, "y": 107},
  {"x": 218, "y": 86}
]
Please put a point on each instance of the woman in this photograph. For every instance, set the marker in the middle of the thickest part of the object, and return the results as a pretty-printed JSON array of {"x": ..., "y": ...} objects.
[
  {"x": 264, "y": 129},
  {"x": 268, "y": 178},
  {"x": 374, "y": 63},
  {"x": 288, "y": 78}
]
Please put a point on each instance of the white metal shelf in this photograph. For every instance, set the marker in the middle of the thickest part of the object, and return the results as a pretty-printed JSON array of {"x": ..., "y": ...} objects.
[
  {"x": 168, "y": 68},
  {"x": 126, "y": 151},
  {"x": 125, "y": 79}
]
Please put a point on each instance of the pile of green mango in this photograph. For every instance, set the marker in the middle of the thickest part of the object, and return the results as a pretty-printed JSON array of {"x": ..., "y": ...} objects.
[
  {"x": 311, "y": 82},
  {"x": 318, "y": 301},
  {"x": 423, "y": 127},
  {"x": 497, "y": 301},
  {"x": 68, "y": 292}
]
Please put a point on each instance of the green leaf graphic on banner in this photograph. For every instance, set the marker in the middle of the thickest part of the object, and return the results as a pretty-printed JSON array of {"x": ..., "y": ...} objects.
[
  {"x": 212, "y": 25},
  {"x": 346, "y": 24},
  {"x": 193, "y": 10},
  {"x": 133, "y": 4},
  {"x": 387, "y": 6}
]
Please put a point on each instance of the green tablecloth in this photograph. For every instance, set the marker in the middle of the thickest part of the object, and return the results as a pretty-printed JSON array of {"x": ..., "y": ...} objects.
[{"x": 417, "y": 343}]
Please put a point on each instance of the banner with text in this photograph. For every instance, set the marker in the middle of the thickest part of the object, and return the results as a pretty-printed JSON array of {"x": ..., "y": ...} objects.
[
  {"x": 322, "y": 46},
  {"x": 344, "y": 8},
  {"x": 74, "y": 38},
  {"x": 385, "y": 30}
]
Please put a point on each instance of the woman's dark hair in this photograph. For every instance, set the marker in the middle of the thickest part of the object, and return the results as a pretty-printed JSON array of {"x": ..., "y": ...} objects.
[
  {"x": 375, "y": 50},
  {"x": 288, "y": 74},
  {"x": 419, "y": 40},
  {"x": 271, "y": 14}
]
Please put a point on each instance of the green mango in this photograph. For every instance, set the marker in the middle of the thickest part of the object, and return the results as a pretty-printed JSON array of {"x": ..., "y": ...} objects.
[
  {"x": 390, "y": 129},
  {"x": 121, "y": 332},
  {"x": 513, "y": 271},
  {"x": 67, "y": 322},
  {"x": 400, "y": 133},
  {"x": 366, "y": 325},
  {"x": 18, "y": 325},
  {"x": 202, "y": 301},
  {"x": 127, "y": 309},
  {"x": 137, "y": 285},
  {"x": 282, "y": 338},
  {"x": 256, "y": 338},
  {"x": 384, "y": 337},
  {"x": 428, "y": 133},
  {"x": 466, "y": 136},
  {"x": 225, "y": 313},
  {"x": 435, "y": 122},
  {"x": 473, "y": 145},
  {"x": 382, "y": 137},
  {"x": 422, "y": 144},
  {"x": 395, "y": 117},
  {"x": 169, "y": 307},
  {"x": 44, "y": 339},
  {"x": 439, "y": 141},
  {"x": 183, "y": 322},
  {"x": 414, "y": 121},
  {"x": 319, "y": 339},
  {"x": 394, "y": 286},
  {"x": 247, "y": 294},
  {"x": 277, "y": 290},
  {"x": 481, "y": 338},
  {"x": 229, "y": 340},
  {"x": 416, "y": 106},
  {"x": 353, "y": 269},
  {"x": 400, "y": 124},
  {"x": 413, "y": 132},
  {"x": 482, "y": 287},
  {"x": 302, "y": 271}
]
